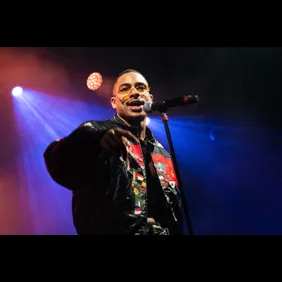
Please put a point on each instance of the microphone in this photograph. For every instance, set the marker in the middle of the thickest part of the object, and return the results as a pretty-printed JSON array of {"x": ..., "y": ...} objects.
[{"x": 163, "y": 106}]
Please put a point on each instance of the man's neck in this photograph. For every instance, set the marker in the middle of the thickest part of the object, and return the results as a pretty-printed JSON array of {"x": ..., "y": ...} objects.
[
  {"x": 140, "y": 124},
  {"x": 142, "y": 129}
]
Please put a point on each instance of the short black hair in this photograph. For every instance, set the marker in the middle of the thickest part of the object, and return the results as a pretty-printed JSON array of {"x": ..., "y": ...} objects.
[{"x": 127, "y": 71}]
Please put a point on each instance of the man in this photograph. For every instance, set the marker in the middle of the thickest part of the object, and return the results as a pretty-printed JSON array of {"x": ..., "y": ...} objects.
[{"x": 122, "y": 178}]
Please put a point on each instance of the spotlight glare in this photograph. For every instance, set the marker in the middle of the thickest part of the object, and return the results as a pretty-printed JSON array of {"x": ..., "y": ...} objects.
[
  {"x": 94, "y": 81},
  {"x": 147, "y": 120},
  {"x": 17, "y": 91}
]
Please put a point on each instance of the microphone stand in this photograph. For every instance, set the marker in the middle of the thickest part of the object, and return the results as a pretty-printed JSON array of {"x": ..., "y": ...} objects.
[{"x": 173, "y": 156}]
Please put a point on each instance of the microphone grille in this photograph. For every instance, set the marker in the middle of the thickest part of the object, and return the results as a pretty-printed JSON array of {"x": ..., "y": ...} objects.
[{"x": 148, "y": 107}]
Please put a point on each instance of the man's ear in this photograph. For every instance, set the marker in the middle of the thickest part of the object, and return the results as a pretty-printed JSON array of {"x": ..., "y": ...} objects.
[
  {"x": 152, "y": 97},
  {"x": 113, "y": 102}
]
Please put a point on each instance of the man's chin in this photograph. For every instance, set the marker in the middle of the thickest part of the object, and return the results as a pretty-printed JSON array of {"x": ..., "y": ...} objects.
[{"x": 135, "y": 115}]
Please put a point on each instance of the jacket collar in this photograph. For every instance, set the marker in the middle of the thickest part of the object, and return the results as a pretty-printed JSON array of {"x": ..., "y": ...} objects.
[{"x": 134, "y": 129}]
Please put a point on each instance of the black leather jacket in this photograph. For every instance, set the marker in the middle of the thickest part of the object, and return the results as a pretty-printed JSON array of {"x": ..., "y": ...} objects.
[{"x": 104, "y": 195}]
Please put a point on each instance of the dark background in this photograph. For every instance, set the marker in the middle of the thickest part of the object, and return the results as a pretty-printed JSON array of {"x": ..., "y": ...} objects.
[{"x": 244, "y": 82}]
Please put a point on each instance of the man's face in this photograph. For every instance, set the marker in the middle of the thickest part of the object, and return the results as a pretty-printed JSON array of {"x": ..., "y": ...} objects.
[{"x": 130, "y": 92}]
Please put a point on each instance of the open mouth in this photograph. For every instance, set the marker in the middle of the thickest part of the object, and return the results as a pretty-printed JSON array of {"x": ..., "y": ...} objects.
[{"x": 136, "y": 105}]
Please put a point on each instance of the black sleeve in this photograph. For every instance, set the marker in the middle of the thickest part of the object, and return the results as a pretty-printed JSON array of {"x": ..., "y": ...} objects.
[{"x": 72, "y": 161}]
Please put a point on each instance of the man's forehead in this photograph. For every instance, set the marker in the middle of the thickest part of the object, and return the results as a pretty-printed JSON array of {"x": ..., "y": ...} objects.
[{"x": 131, "y": 77}]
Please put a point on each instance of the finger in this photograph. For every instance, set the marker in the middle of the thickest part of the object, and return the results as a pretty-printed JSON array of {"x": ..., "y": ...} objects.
[
  {"x": 124, "y": 149},
  {"x": 108, "y": 143},
  {"x": 125, "y": 141},
  {"x": 105, "y": 145},
  {"x": 110, "y": 140},
  {"x": 126, "y": 133},
  {"x": 117, "y": 140}
]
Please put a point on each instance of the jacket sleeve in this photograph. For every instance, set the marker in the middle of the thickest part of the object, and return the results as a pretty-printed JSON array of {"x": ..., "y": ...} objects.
[{"x": 72, "y": 161}]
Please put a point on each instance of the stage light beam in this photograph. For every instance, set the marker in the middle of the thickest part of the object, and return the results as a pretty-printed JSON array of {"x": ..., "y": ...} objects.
[{"x": 17, "y": 91}]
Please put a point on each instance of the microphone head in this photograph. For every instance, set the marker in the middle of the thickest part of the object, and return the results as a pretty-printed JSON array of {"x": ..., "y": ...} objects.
[{"x": 147, "y": 107}]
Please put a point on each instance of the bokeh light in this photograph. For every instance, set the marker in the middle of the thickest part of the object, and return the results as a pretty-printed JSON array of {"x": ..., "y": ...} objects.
[{"x": 94, "y": 81}]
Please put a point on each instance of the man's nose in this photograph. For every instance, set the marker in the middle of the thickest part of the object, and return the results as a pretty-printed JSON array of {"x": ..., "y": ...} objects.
[{"x": 134, "y": 94}]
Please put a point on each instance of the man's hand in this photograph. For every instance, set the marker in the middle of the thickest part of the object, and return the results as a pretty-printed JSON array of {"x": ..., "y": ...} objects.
[{"x": 116, "y": 140}]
